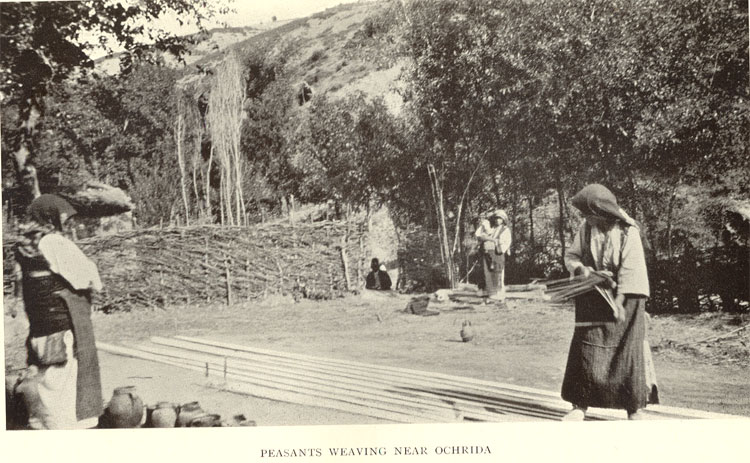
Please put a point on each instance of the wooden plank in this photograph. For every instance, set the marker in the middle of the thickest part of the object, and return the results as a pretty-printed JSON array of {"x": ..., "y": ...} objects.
[
  {"x": 266, "y": 389},
  {"x": 451, "y": 379},
  {"x": 323, "y": 383},
  {"x": 455, "y": 404},
  {"x": 533, "y": 401},
  {"x": 548, "y": 398}
]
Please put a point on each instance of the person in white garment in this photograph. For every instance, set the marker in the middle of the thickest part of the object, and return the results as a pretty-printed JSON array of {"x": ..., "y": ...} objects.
[
  {"x": 56, "y": 280},
  {"x": 494, "y": 240}
]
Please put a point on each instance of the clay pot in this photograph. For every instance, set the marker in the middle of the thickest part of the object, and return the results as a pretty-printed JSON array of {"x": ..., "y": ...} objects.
[
  {"x": 163, "y": 416},
  {"x": 467, "y": 331},
  {"x": 22, "y": 400},
  {"x": 207, "y": 420},
  {"x": 188, "y": 413},
  {"x": 125, "y": 409}
]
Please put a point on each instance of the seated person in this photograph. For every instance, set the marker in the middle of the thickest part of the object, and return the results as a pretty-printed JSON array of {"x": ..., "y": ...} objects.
[{"x": 378, "y": 278}]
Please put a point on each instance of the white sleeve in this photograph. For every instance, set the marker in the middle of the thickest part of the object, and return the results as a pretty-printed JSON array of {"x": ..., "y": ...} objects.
[
  {"x": 68, "y": 261},
  {"x": 575, "y": 251},
  {"x": 633, "y": 276},
  {"x": 504, "y": 240},
  {"x": 481, "y": 231}
]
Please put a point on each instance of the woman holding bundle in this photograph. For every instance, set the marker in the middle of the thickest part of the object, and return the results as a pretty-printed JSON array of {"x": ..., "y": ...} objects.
[
  {"x": 57, "y": 279},
  {"x": 609, "y": 363},
  {"x": 494, "y": 242}
]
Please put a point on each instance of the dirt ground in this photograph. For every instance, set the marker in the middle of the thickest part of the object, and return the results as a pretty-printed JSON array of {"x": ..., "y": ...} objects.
[{"x": 524, "y": 344}]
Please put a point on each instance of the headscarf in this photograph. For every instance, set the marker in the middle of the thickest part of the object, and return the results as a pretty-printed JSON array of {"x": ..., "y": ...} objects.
[
  {"x": 598, "y": 201},
  {"x": 46, "y": 213},
  {"x": 48, "y": 209},
  {"x": 500, "y": 214}
]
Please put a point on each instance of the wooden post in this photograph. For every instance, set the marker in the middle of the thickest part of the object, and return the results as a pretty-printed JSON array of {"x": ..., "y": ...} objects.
[
  {"x": 228, "y": 280},
  {"x": 247, "y": 275},
  {"x": 291, "y": 208},
  {"x": 345, "y": 263},
  {"x": 208, "y": 276},
  {"x": 361, "y": 262}
]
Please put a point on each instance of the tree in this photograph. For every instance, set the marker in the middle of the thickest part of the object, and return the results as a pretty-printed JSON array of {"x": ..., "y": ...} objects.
[
  {"x": 455, "y": 110},
  {"x": 225, "y": 112},
  {"x": 45, "y": 42}
]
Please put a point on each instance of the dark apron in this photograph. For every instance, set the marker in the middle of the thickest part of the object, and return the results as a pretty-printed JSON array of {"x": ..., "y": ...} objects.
[{"x": 89, "y": 401}]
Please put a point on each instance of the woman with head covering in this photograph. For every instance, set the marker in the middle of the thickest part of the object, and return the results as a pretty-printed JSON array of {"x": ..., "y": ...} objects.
[
  {"x": 609, "y": 360},
  {"x": 494, "y": 242},
  {"x": 57, "y": 280}
]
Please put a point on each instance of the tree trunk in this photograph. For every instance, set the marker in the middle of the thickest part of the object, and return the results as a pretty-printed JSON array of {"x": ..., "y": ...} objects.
[
  {"x": 442, "y": 226},
  {"x": 513, "y": 220},
  {"x": 26, "y": 175},
  {"x": 670, "y": 211},
  {"x": 195, "y": 192},
  {"x": 207, "y": 193},
  {"x": 532, "y": 240},
  {"x": 561, "y": 222},
  {"x": 179, "y": 132}
]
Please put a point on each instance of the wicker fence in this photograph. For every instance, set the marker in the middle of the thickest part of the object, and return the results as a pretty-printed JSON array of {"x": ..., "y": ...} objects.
[{"x": 155, "y": 267}]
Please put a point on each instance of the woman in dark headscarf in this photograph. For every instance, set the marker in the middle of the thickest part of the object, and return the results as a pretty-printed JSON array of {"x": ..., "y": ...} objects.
[
  {"x": 609, "y": 364},
  {"x": 57, "y": 280}
]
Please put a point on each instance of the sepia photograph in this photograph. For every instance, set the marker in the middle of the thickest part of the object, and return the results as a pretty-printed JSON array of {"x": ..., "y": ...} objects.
[{"x": 387, "y": 230}]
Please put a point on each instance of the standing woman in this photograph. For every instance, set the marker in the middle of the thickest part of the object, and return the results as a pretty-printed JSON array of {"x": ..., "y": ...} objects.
[
  {"x": 608, "y": 363},
  {"x": 494, "y": 242},
  {"x": 57, "y": 280}
]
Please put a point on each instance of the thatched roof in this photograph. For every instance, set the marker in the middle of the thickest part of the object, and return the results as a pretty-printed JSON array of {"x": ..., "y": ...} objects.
[{"x": 96, "y": 199}]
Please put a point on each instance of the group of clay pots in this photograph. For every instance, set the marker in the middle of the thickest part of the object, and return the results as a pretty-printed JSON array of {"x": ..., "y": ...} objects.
[{"x": 126, "y": 410}]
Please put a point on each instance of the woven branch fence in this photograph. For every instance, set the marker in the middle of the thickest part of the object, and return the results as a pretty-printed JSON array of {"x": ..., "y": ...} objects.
[{"x": 155, "y": 267}]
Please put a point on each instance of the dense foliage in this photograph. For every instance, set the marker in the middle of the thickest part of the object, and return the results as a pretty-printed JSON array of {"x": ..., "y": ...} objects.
[{"x": 507, "y": 103}]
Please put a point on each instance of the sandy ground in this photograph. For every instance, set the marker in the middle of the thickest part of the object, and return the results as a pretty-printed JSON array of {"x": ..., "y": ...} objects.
[{"x": 524, "y": 344}]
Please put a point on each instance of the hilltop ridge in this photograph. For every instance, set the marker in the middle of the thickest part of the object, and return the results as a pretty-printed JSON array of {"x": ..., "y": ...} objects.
[{"x": 339, "y": 51}]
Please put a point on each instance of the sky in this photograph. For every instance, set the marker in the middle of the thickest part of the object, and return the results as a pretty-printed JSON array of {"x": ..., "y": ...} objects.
[
  {"x": 251, "y": 12},
  {"x": 255, "y": 11},
  {"x": 247, "y": 13}
]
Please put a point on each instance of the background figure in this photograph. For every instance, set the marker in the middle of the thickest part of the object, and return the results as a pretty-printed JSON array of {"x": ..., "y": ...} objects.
[
  {"x": 494, "y": 239},
  {"x": 378, "y": 277},
  {"x": 608, "y": 363},
  {"x": 56, "y": 281}
]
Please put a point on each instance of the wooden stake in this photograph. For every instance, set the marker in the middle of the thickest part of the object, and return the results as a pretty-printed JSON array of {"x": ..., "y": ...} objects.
[
  {"x": 208, "y": 279},
  {"x": 228, "y": 280},
  {"x": 247, "y": 276},
  {"x": 346, "y": 265}
]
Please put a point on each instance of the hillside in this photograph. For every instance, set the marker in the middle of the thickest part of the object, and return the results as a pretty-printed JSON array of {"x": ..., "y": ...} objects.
[
  {"x": 214, "y": 40},
  {"x": 339, "y": 51}
]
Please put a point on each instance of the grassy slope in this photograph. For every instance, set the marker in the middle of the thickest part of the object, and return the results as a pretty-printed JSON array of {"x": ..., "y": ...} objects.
[{"x": 329, "y": 52}]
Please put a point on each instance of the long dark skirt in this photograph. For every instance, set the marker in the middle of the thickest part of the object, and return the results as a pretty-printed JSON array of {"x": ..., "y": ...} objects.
[
  {"x": 492, "y": 269},
  {"x": 606, "y": 364}
]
